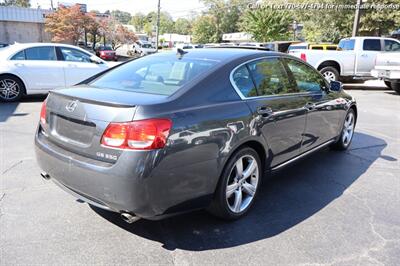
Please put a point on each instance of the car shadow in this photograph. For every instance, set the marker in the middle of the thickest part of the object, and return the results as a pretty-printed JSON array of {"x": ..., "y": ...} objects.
[
  {"x": 9, "y": 109},
  {"x": 285, "y": 200}
]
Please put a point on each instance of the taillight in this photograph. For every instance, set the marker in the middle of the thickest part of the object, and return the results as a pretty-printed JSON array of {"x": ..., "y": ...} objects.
[
  {"x": 303, "y": 57},
  {"x": 137, "y": 135},
  {"x": 43, "y": 113},
  {"x": 102, "y": 53}
]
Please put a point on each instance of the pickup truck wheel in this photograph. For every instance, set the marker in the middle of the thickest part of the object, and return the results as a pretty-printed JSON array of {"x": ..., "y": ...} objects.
[
  {"x": 388, "y": 84},
  {"x": 330, "y": 73},
  {"x": 395, "y": 86}
]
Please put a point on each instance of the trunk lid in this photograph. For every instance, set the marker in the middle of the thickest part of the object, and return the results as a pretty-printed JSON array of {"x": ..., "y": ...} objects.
[{"x": 78, "y": 117}]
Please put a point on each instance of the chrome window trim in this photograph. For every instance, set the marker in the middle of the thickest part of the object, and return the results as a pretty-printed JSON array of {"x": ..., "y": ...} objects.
[{"x": 266, "y": 96}]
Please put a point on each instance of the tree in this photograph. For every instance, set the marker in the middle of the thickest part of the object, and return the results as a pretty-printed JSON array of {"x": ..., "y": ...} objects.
[
  {"x": 267, "y": 24},
  {"x": 379, "y": 22},
  {"x": 92, "y": 26},
  {"x": 121, "y": 16},
  {"x": 116, "y": 33},
  {"x": 138, "y": 21},
  {"x": 204, "y": 30},
  {"x": 66, "y": 24},
  {"x": 20, "y": 3},
  {"x": 182, "y": 26},
  {"x": 166, "y": 21}
]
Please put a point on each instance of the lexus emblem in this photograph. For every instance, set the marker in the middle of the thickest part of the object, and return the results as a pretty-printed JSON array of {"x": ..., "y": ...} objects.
[{"x": 71, "y": 106}]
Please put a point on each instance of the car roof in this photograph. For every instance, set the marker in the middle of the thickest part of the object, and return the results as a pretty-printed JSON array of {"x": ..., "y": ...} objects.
[{"x": 223, "y": 54}]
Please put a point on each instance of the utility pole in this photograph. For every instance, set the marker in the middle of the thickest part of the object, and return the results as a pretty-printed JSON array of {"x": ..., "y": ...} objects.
[
  {"x": 158, "y": 24},
  {"x": 356, "y": 19},
  {"x": 51, "y": 4}
]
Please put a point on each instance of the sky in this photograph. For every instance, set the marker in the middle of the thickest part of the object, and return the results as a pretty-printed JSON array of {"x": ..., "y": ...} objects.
[{"x": 177, "y": 8}]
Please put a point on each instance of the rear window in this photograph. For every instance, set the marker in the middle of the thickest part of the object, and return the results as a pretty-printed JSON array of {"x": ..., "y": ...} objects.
[
  {"x": 346, "y": 45},
  {"x": 158, "y": 74}
]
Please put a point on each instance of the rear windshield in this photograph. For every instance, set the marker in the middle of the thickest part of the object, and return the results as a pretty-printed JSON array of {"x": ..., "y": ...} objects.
[{"x": 157, "y": 74}]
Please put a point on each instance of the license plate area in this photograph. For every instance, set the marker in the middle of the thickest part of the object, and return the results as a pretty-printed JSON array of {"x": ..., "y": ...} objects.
[{"x": 73, "y": 131}]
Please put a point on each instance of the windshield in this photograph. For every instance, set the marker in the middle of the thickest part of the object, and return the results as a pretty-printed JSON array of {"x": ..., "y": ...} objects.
[
  {"x": 158, "y": 74},
  {"x": 105, "y": 48}
]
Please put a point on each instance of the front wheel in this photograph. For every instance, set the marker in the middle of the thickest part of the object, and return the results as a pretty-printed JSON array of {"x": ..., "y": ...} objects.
[
  {"x": 11, "y": 88},
  {"x": 238, "y": 185},
  {"x": 347, "y": 133},
  {"x": 330, "y": 73}
]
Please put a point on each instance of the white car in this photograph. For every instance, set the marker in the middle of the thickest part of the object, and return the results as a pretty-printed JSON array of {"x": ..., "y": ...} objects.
[{"x": 37, "y": 68}]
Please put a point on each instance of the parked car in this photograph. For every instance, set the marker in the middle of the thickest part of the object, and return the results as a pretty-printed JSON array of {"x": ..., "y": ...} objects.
[
  {"x": 280, "y": 46},
  {"x": 140, "y": 48},
  {"x": 106, "y": 53},
  {"x": 312, "y": 46},
  {"x": 2, "y": 45},
  {"x": 165, "y": 134},
  {"x": 354, "y": 60},
  {"x": 36, "y": 68},
  {"x": 387, "y": 66}
]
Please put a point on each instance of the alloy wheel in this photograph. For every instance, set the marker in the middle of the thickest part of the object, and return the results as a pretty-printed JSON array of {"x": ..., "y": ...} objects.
[
  {"x": 348, "y": 129},
  {"x": 9, "y": 89},
  {"x": 329, "y": 75},
  {"x": 242, "y": 183}
]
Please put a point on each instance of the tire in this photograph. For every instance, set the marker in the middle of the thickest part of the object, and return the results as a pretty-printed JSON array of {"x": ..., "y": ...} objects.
[
  {"x": 243, "y": 191},
  {"x": 347, "y": 132},
  {"x": 330, "y": 73},
  {"x": 11, "y": 88},
  {"x": 395, "y": 86},
  {"x": 388, "y": 84}
]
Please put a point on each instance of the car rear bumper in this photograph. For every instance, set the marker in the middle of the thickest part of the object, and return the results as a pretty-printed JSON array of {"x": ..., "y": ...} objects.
[
  {"x": 386, "y": 74},
  {"x": 138, "y": 183}
]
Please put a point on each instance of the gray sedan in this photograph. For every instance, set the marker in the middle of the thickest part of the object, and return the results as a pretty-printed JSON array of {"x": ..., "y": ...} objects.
[{"x": 173, "y": 132}]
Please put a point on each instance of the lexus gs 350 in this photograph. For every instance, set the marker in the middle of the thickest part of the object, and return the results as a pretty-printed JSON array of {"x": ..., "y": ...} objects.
[
  {"x": 170, "y": 133},
  {"x": 36, "y": 68}
]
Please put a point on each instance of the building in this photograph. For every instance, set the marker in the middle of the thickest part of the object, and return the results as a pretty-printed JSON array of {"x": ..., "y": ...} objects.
[
  {"x": 176, "y": 38},
  {"x": 23, "y": 25}
]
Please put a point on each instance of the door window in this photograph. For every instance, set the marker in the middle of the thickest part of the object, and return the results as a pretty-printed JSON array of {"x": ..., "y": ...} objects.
[
  {"x": 392, "y": 46},
  {"x": 372, "y": 45},
  {"x": 73, "y": 55},
  {"x": 270, "y": 77},
  {"x": 307, "y": 79},
  {"x": 242, "y": 80},
  {"x": 45, "y": 53},
  {"x": 19, "y": 56}
]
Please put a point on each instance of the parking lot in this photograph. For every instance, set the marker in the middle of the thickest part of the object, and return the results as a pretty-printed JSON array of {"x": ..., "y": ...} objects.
[{"x": 332, "y": 208}]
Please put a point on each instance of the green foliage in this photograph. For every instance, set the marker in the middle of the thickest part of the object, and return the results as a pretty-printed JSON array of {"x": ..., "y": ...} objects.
[
  {"x": 204, "y": 30},
  {"x": 379, "y": 22},
  {"x": 20, "y": 3},
  {"x": 138, "y": 21},
  {"x": 121, "y": 16},
  {"x": 166, "y": 21},
  {"x": 267, "y": 24},
  {"x": 182, "y": 26}
]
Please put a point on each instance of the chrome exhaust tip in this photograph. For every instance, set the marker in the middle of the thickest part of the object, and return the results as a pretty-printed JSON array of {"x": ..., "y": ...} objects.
[
  {"x": 45, "y": 176},
  {"x": 129, "y": 218}
]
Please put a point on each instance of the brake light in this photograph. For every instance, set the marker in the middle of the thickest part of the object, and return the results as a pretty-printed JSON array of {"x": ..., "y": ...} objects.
[
  {"x": 43, "y": 113},
  {"x": 102, "y": 53},
  {"x": 137, "y": 135},
  {"x": 303, "y": 57}
]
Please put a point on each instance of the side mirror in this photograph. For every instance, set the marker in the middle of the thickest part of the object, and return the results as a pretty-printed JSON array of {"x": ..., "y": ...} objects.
[
  {"x": 95, "y": 60},
  {"x": 336, "y": 86}
]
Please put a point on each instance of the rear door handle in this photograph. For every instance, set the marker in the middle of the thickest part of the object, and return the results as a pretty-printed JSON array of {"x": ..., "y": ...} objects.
[
  {"x": 264, "y": 111},
  {"x": 309, "y": 106},
  {"x": 72, "y": 65},
  {"x": 19, "y": 64}
]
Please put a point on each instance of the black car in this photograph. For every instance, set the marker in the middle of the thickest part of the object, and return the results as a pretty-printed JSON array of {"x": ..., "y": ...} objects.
[
  {"x": 2, "y": 45},
  {"x": 173, "y": 132}
]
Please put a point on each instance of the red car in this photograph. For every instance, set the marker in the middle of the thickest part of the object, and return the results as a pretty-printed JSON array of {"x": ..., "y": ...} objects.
[{"x": 106, "y": 53}]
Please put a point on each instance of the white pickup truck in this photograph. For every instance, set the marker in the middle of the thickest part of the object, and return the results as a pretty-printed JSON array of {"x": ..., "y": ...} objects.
[
  {"x": 354, "y": 59},
  {"x": 387, "y": 67}
]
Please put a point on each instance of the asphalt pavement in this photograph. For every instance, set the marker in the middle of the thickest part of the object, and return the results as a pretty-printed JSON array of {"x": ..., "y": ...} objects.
[{"x": 333, "y": 208}]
